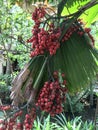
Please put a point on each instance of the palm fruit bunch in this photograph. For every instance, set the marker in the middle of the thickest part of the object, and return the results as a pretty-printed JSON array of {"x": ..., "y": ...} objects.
[
  {"x": 52, "y": 95},
  {"x": 12, "y": 121},
  {"x": 55, "y": 46}
]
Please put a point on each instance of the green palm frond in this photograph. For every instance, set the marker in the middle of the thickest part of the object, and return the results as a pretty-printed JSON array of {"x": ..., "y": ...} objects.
[{"x": 78, "y": 60}]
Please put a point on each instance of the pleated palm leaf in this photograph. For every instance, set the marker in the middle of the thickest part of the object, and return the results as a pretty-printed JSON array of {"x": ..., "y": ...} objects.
[{"x": 77, "y": 59}]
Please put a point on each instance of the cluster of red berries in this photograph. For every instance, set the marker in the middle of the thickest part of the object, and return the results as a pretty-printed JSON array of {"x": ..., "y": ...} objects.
[
  {"x": 76, "y": 28},
  {"x": 69, "y": 32},
  {"x": 38, "y": 13},
  {"x": 29, "y": 119},
  {"x": 51, "y": 97},
  {"x": 12, "y": 124},
  {"x": 87, "y": 31},
  {"x": 43, "y": 40},
  {"x": 4, "y": 108}
]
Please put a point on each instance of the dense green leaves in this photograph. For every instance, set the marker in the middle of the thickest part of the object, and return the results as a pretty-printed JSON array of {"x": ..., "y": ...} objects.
[{"x": 14, "y": 23}]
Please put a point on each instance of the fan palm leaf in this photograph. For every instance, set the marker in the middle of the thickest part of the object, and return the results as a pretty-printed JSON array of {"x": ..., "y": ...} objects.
[{"x": 77, "y": 59}]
